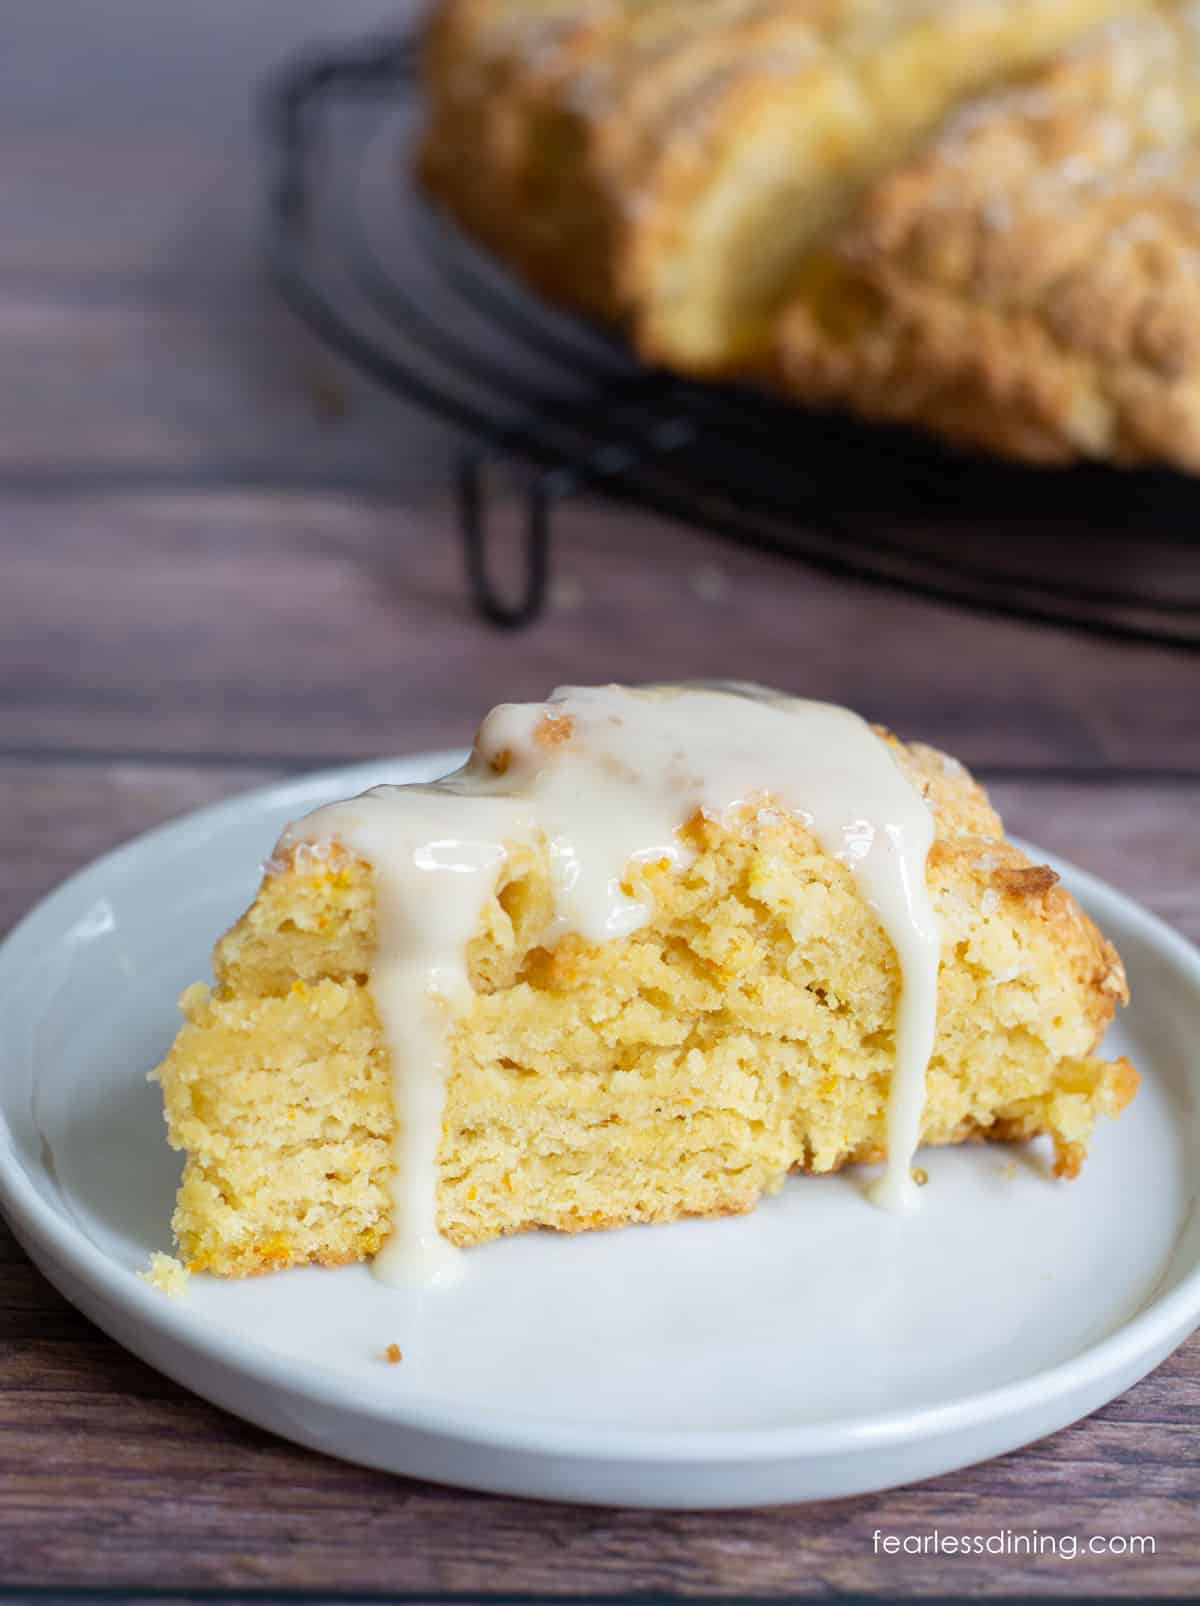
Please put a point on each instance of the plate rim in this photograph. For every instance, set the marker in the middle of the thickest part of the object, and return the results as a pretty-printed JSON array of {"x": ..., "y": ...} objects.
[{"x": 1157, "y": 1327}]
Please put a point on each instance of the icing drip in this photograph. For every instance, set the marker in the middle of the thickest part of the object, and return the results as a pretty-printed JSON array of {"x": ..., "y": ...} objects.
[{"x": 606, "y": 776}]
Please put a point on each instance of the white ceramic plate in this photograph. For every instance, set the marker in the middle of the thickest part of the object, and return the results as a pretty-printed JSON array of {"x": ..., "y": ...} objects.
[{"x": 815, "y": 1348}]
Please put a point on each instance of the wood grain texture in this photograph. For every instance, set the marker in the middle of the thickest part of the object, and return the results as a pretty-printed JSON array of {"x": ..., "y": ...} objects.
[
  {"x": 209, "y": 574},
  {"x": 303, "y": 625},
  {"x": 128, "y": 142},
  {"x": 250, "y": 402},
  {"x": 139, "y": 335}
]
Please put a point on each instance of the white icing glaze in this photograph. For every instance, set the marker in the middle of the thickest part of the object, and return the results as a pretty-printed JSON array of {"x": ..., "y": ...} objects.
[
  {"x": 434, "y": 866},
  {"x": 606, "y": 776}
]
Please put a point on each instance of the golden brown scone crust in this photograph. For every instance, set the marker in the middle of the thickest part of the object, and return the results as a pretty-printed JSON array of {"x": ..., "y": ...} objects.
[
  {"x": 971, "y": 854},
  {"x": 744, "y": 1031},
  {"x": 664, "y": 164},
  {"x": 1031, "y": 282}
]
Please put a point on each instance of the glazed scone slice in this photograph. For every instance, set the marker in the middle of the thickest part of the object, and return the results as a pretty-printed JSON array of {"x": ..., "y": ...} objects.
[
  {"x": 668, "y": 164},
  {"x": 1031, "y": 282},
  {"x": 747, "y": 1028}
]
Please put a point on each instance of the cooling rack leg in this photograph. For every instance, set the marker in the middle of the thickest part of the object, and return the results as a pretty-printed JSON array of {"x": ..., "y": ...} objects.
[{"x": 530, "y": 595}]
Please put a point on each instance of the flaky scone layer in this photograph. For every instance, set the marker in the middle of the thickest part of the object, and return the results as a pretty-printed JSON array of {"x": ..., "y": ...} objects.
[
  {"x": 1030, "y": 282},
  {"x": 746, "y": 1030},
  {"x": 666, "y": 164}
]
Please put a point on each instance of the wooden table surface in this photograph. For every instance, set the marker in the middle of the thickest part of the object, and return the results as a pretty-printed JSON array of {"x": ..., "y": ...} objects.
[{"x": 206, "y": 580}]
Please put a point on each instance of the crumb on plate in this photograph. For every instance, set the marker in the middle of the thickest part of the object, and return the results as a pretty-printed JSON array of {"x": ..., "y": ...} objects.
[{"x": 168, "y": 1275}]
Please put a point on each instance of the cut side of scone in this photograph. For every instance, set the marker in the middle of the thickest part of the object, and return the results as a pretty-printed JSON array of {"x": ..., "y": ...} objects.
[
  {"x": 1028, "y": 283},
  {"x": 745, "y": 1029},
  {"x": 668, "y": 164}
]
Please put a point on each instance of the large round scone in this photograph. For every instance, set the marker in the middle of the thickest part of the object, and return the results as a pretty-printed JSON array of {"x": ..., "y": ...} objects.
[
  {"x": 667, "y": 164},
  {"x": 1029, "y": 283}
]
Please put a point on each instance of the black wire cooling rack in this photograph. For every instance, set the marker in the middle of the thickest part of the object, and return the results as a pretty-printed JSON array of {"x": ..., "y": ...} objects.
[{"x": 390, "y": 283}]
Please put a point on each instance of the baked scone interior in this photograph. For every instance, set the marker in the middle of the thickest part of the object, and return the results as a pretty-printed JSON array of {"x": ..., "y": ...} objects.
[{"x": 746, "y": 1027}]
